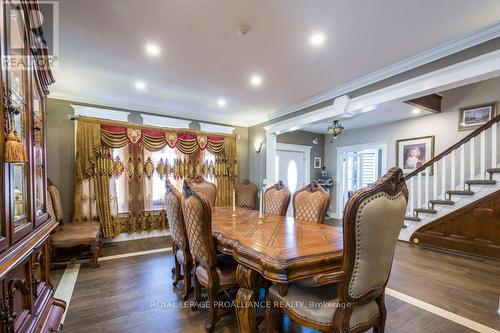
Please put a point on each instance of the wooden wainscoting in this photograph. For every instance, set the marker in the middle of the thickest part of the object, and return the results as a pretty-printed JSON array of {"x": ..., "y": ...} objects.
[{"x": 473, "y": 229}]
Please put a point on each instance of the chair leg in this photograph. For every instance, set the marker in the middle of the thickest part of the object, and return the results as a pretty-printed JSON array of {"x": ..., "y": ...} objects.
[
  {"x": 273, "y": 318},
  {"x": 177, "y": 268},
  {"x": 380, "y": 326},
  {"x": 197, "y": 291},
  {"x": 213, "y": 291},
  {"x": 187, "y": 279}
]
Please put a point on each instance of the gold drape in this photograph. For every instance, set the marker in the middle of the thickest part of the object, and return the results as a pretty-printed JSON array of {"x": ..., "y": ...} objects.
[
  {"x": 94, "y": 169},
  {"x": 88, "y": 139}
]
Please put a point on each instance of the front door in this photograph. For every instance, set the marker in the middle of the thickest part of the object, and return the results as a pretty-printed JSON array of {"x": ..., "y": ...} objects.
[{"x": 290, "y": 166}]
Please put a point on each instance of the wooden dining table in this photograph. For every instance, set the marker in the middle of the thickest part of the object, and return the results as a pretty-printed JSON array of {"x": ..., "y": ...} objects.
[{"x": 279, "y": 249}]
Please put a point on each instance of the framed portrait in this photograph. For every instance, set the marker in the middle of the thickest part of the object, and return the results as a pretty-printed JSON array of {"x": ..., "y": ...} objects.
[
  {"x": 317, "y": 163},
  {"x": 412, "y": 153},
  {"x": 473, "y": 117}
]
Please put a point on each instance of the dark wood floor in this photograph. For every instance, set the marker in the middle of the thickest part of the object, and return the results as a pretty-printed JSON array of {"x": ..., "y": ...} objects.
[{"x": 135, "y": 294}]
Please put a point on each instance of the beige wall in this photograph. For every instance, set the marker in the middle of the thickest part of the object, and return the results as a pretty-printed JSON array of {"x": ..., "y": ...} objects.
[
  {"x": 61, "y": 148},
  {"x": 443, "y": 126}
]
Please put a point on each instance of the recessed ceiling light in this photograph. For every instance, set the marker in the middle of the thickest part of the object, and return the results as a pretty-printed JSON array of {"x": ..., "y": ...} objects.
[
  {"x": 221, "y": 102},
  {"x": 256, "y": 80},
  {"x": 415, "y": 111},
  {"x": 153, "y": 49},
  {"x": 140, "y": 85},
  {"x": 317, "y": 39}
]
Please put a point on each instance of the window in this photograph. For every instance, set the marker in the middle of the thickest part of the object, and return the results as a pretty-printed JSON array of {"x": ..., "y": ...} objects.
[
  {"x": 363, "y": 168},
  {"x": 154, "y": 188},
  {"x": 121, "y": 182},
  {"x": 210, "y": 158},
  {"x": 292, "y": 175}
]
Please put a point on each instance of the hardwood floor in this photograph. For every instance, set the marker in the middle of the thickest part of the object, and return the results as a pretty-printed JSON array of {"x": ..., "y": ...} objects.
[{"x": 135, "y": 294}]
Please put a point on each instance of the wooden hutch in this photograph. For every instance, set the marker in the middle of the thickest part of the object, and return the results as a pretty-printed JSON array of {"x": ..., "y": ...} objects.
[{"x": 26, "y": 298}]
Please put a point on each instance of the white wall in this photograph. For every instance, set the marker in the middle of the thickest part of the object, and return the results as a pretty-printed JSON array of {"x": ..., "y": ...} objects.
[{"x": 443, "y": 126}]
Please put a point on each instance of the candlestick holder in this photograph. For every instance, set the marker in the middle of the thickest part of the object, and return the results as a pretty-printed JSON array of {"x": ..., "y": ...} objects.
[
  {"x": 233, "y": 215},
  {"x": 261, "y": 220}
]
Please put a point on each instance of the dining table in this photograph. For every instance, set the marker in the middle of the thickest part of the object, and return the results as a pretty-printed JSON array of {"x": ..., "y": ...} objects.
[{"x": 273, "y": 248}]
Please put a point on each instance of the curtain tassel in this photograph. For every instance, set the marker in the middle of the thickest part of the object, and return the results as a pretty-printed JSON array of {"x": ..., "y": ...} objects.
[{"x": 14, "y": 149}]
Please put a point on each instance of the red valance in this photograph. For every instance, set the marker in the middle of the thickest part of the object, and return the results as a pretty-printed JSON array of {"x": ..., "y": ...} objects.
[{"x": 154, "y": 140}]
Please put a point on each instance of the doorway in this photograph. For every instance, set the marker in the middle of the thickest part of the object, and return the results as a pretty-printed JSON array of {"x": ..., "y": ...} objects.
[
  {"x": 292, "y": 163},
  {"x": 358, "y": 167}
]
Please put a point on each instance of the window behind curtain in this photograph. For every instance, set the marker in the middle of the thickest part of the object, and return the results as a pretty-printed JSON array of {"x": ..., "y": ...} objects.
[
  {"x": 121, "y": 182},
  {"x": 154, "y": 188},
  {"x": 210, "y": 158}
]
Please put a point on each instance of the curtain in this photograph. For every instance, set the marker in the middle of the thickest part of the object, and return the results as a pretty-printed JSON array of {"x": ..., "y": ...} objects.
[{"x": 97, "y": 172}]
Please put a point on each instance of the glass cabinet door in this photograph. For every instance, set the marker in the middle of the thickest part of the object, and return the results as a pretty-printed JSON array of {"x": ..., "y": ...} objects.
[
  {"x": 38, "y": 151},
  {"x": 17, "y": 84}
]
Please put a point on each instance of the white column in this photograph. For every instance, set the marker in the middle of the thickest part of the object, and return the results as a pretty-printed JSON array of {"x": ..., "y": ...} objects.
[{"x": 271, "y": 176}]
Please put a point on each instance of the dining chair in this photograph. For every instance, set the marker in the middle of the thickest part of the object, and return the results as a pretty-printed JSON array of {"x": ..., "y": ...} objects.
[
  {"x": 277, "y": 199},
  {"x": 311, "y": 203},
  {"x": 352, "y": 299},
  {"x": 214, "y": 271},
  {"x": 75, "y": 242},
  {"x": 180, "y": 246},
  {"x": 209, "y": 190},
  {"x": 246, "y": 194}
]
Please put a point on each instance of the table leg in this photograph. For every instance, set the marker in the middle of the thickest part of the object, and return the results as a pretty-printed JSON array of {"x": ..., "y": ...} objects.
[{"x": 248, "y": 280}]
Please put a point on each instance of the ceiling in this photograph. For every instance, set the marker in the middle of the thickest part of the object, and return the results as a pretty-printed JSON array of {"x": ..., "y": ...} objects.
[
  {"x": 203, "y": 57},
  {"x": 380, "y": 114}
]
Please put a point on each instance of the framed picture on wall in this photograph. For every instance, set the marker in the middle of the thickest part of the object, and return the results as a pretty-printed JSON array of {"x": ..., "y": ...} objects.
[
  {"x": 317, "y": 163},
  {"x": 412, "y": 153},
  {"x": 473, "y": 117}
]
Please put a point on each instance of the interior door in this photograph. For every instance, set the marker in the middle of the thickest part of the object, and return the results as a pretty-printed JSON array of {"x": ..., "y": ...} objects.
[{"x": 290, "y": 166}]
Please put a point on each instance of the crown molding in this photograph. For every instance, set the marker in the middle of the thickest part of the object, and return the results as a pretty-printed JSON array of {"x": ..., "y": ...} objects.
[
  {"x": 469, "y": 40},
  {"x": 141, "y": 109}
]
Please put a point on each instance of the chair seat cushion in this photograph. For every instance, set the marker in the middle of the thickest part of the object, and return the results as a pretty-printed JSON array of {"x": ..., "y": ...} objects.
[
  {"x": 324, "y": 303},
  {"x": 226, "y": 269},
  {"x": 80, "y": 225},
  {"x": 69, "y": 236}
]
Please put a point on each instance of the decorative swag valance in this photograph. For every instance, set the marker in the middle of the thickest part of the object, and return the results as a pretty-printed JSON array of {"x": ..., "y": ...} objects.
[
  {"x": 95, "y": 167},
  {"x": 154, "y": 140}
]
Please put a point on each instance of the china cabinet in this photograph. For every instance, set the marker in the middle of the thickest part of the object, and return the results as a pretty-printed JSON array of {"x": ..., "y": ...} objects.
[{"x": 26, "y": 295}]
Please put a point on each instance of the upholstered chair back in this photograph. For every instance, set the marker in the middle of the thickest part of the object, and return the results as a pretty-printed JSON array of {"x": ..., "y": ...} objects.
[
  {"x": 311, "y": 203},
  {"x": 50, "y": 207},
  {"x": 277, "y": 199},
  {"x": 246, "y": 194},
  {"x": 175, "y": 219},
  {"x": 207, "y": 189},
  {"x": 373, "y": 218},
  {"x": 198, "y": 219},
  {"x": 55, "y": 196}
]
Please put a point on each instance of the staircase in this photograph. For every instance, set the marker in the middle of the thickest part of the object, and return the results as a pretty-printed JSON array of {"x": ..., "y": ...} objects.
[{"x": 459, "y": 176}]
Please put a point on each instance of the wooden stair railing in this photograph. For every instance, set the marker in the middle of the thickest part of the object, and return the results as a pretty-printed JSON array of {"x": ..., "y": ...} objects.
[{"x": 446, "y": 177}]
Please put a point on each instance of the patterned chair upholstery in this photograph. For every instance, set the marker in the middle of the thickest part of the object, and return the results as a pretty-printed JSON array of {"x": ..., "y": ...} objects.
[
  {"x": 372, "y": 220},
  {"x": 209, "y": 190},
  {"x": 311, "y": 203},
  {"x": 215, "y": 272},
  {"x": 180, "y": 247},
  {"x": 246, "y": 194},
  {"x": 277, "y": 199},
  {"x": 71, "y": 235}
]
